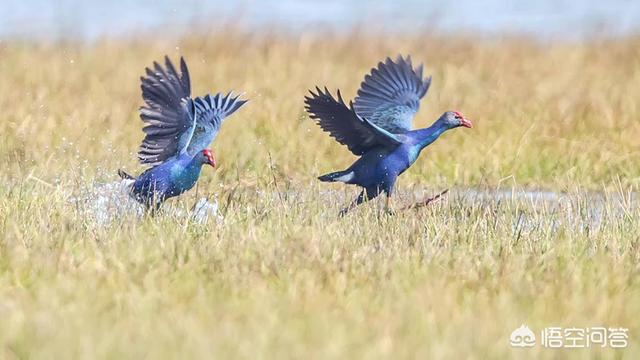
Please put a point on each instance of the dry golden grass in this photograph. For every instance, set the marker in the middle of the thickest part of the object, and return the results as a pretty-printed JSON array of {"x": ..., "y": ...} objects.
[{"x": 282, "y": 276}]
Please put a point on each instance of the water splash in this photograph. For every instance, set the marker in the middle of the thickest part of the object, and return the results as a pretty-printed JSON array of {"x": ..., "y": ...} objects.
[{"x": 104, "y": 203}]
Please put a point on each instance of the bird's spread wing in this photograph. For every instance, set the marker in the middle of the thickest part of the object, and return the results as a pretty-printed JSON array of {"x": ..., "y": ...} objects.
[
  {"x": 345, "y": 125},
  {"x": 210, "y": 112},
  {"x": 168, "y": 112},
  {"x": 390, "y": 96}
]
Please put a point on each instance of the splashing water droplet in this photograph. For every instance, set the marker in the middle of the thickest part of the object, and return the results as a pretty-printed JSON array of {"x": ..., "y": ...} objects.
[{"x": 104, "y": 203}]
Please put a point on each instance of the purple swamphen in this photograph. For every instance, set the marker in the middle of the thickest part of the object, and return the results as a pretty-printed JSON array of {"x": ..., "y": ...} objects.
[
  {"x": 377, "y": 127},
  {"x": 178, "y": 131}
]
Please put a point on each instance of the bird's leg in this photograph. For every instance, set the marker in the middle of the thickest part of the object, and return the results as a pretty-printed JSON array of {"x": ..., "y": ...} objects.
[
  {"x": 357, "y": 201},
  {"x": 388, "y": 205},
  {"x": 153, "y": 208},
  {"x": 389, "y": 190},
  {"x": 152, "y": 204},
  {"x": 367, "y": 194}
]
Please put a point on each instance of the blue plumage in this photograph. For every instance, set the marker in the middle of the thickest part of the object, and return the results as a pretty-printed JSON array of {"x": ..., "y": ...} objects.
[
  {"x": 171, "y": 178},
  {"x": 377, "y": 127},
  {"x": 390, "y": 96},
  {"x": 178, "y": 131}
]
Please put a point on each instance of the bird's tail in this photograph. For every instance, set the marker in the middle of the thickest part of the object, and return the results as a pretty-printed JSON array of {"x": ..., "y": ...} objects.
[
  {"x": 124, "y": 176},
  {"x": 343, "y": 176}
]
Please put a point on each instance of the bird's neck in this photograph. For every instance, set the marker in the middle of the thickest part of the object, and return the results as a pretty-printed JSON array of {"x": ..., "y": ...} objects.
[
  {"x": 424, "y": 137},
  {"x": 195, "y": 164}
]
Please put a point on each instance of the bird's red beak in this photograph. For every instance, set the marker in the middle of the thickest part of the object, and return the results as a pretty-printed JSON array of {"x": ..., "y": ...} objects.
[
  {"x": 466, "y": 123},
  {"x": 211, "y": 160}
]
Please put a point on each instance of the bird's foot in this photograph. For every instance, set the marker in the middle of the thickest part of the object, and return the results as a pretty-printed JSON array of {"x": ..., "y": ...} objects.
[
  {"x": 388, "y": 206},
  {"x": 425, "y": 202}
]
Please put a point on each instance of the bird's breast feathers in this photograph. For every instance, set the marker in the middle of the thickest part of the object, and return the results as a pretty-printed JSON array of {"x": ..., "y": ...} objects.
[
  {"x": 412, "y": 154},
  {"x": 176, "y": 171}
]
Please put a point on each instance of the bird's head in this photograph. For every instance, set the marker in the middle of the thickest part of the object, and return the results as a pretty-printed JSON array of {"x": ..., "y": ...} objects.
[
  {"x": 454, "y": 119},
  {"x": 207, "y": 157}
]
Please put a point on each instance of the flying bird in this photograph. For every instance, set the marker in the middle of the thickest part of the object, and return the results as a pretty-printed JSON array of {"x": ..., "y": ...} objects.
[
  {"x": 377, "y": 127},
  {"x": 177, "y": 133}
]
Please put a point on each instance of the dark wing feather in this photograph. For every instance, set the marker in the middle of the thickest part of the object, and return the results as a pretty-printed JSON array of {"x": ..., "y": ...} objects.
[
  {"x": 210, "y": 113},
  {"x": 390, "y": 96},
  {"x": 167, "y": 113},
  {"x": 344, "y": 125}
]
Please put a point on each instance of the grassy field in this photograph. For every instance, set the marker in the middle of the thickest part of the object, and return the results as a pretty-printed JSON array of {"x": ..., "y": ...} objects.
[{"x": 282, "y": 276}]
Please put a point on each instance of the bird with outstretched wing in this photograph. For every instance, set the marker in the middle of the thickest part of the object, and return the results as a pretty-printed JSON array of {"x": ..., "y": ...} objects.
[
  {"x": 178, "y": 132},
  {"x": 377, "y": 127}
]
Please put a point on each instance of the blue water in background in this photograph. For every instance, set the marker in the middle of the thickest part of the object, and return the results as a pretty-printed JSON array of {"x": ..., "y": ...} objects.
[{"x": 93, "y": 19}]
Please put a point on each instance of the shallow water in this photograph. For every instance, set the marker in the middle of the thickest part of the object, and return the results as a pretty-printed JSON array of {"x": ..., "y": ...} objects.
[
  {"x": 102, "y": 204},
  {"x": 527, "y": 211},
  {"x": 532, "y": 210}
]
